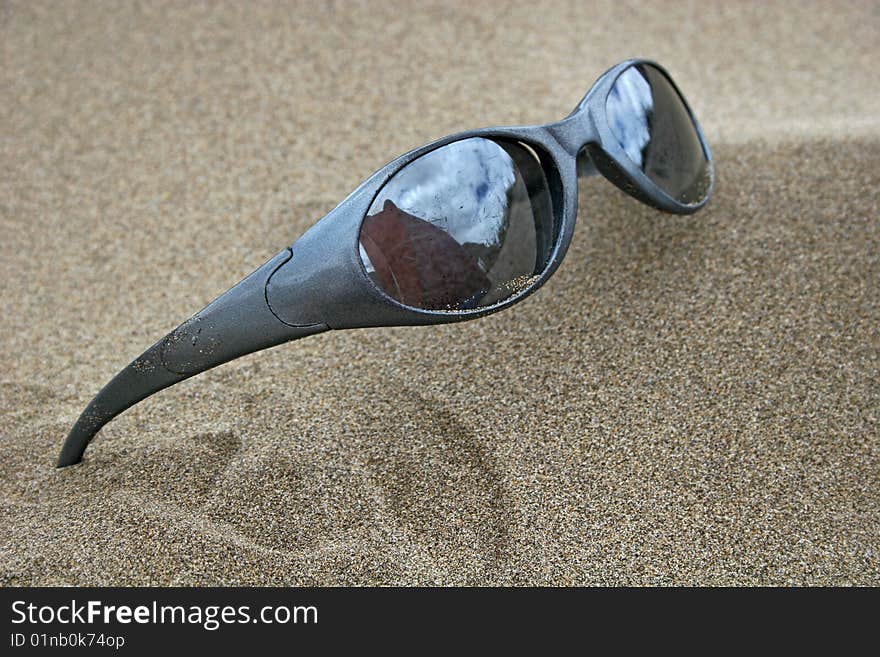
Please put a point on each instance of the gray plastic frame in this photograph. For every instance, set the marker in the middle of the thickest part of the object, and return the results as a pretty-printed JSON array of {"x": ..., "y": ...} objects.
[{"x": 319, "y": 283}]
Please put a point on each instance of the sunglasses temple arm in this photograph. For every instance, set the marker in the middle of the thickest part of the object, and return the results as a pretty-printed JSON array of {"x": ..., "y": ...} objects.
[{"x": 238, "y": 322}]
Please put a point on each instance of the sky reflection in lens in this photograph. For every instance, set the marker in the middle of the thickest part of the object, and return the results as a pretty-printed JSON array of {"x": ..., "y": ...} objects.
[
  {"x": 464, "y": 226},
  {"x": 655, "y": 130}
]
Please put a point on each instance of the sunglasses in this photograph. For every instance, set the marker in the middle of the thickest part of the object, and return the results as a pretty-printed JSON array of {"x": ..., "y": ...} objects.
[{"x": 457, "y": 229}]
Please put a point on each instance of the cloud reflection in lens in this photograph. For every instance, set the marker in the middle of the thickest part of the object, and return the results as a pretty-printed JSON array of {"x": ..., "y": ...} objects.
[
  {"x": 652, "y": 124},
  {"x": 463, "y": 226}
]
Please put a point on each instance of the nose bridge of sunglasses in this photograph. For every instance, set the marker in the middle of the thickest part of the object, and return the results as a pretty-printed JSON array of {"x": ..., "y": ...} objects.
[{"x": 574, "y": 131}]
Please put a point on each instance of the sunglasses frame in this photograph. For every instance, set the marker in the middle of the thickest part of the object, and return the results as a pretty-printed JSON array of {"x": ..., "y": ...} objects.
[
  {"x": 320, "y": 282},
  {"x": 350, "y": 299}
]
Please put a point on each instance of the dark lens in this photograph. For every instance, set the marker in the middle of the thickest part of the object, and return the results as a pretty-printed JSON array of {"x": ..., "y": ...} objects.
[
  {"x": 655, "y": 130},
  {"x": 467, "y": 225}
]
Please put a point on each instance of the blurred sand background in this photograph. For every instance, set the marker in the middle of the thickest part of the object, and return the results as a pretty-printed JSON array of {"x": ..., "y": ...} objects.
[{"x": 689, "y": 400}]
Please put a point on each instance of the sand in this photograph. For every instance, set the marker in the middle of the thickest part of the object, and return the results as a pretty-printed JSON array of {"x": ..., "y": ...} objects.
[{"x": 689, "y": 400}]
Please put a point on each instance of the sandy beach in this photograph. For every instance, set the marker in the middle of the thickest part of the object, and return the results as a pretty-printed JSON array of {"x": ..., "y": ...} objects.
[{"x": 689, "y": 400}]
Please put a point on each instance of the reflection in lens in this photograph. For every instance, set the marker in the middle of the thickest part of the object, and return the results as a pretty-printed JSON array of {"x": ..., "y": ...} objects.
[
  {"x": 467, "y": 225},
  {"x": 655, "y": 130}
]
